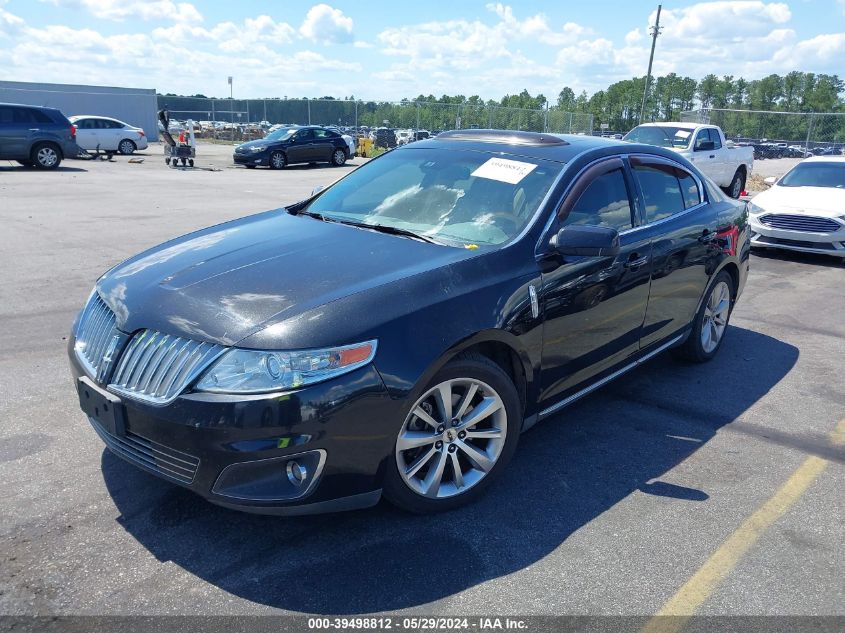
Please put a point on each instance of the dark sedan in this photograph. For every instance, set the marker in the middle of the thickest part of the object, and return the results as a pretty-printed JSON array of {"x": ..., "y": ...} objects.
[
  {"x": 394, "y": 334},
  {"x": 288, "y": 146}
]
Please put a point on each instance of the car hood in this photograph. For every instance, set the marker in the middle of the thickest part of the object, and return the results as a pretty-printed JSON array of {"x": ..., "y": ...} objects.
[
  {"x": 821, "y": 201},
  {"x": 225, "y": 283},
  {"x": 257, "y": 143}
]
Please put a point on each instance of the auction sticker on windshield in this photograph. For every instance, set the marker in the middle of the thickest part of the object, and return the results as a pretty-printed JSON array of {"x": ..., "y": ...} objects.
[{"x": 504, "y": 170}]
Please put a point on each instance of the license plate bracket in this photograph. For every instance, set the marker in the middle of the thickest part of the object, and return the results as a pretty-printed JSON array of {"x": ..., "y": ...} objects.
[{"x": 104, "y": 407}]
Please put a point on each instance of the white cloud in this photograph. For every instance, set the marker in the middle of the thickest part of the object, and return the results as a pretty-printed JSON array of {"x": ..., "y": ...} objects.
[
  {"x": 121, "y": 10},
  {"x": 327, "y": 25}
]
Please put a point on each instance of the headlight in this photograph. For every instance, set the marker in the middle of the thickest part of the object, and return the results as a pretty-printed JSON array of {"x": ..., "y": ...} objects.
[
  {"x": 257, "y": 148},
  {"x": 254, "y": 371},
  {"x": 754, "y": 209}
]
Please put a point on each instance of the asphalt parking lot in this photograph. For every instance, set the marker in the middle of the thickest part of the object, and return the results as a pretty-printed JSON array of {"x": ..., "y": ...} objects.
[{"x": 635, "y": 499}]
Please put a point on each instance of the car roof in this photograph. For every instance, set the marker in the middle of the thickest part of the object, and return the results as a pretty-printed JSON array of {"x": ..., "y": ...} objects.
[
  {"x": 824, "y": 159},
  {"x": 29, "y": 105},
  {"x": 557, "y": 147},
  {"x": 95, "y": 116}
]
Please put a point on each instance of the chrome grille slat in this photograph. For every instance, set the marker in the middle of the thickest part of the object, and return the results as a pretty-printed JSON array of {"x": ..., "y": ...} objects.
[
  {"x": 157, "y": 367},
  {"x": 151, "y": 455},
  {"x": 96, "y": 327},
  {"x": 805, "y": 223}
]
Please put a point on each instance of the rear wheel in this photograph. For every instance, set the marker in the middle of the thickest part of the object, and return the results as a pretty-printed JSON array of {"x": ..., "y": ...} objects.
[
  {"x": 46, "y": 156},
  {"x": 711, "y": 322},
  {"x": 126, "y": 147},
  {"x": 277, "y": 160},
  {"x": 456, "y": 439},
  {"x": 338, "y": 157},
  {"x": 737, "y": 185}
]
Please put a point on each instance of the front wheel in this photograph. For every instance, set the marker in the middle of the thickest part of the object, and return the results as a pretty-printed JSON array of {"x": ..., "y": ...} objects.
[
  {"x": 338, "y": 158},
  {"x": 456, "y": 439},
  {"x": 709, "y": 325},
  {"x": 277, "y": 160}
]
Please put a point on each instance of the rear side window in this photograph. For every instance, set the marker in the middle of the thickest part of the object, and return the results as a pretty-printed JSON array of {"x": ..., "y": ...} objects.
[
  {"x": 320, "y": 134},
  {"x": 40, "y": 117},
  {"x": 689, "y": 188},
  {"x": 661, "y": 191},
  {"x": 6, "y": 114},
  {"x": 605, "y": 202}
]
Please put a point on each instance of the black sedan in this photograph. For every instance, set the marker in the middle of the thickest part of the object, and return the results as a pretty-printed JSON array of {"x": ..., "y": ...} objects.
[
  {"x": 394, "y": 334},
  {"x": 287, "y": 146}
]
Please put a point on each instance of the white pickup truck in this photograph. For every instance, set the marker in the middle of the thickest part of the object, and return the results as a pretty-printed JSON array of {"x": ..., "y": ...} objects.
[{"x": 704, "y": 146}]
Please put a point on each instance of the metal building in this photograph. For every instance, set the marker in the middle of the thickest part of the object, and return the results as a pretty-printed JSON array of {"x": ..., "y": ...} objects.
[{"x": 136, "y": 106}]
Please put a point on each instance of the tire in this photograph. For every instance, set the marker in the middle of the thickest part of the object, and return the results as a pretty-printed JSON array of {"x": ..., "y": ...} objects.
[
  {"x": 277, "y": 160},
  {"x": 46, "y": 156},
  {"x": 696, "y": 348},
  {"x": 126, "y": 147},
  {"x": 250, "y": 166},
  {"x": 338, "y": 158},
  {"x": 190, "y": 162},
  {"x": 451, "y": 447},
  {"x": 735, "y": 189}
]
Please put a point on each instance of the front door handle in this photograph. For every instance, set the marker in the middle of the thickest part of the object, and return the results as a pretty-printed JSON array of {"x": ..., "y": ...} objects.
[
  {"x": 707, "y": 236},
  {"x": 635, "y": 261},
  {"x": 712, "y": 155}
]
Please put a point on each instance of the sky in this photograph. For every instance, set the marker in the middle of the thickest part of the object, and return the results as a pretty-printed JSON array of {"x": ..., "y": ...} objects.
[{"x": 373, "y": 49}]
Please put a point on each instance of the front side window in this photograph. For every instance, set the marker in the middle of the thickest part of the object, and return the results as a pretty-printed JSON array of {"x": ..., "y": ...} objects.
[
  {"x": 661, "y": 190},
  {"x": 456, "y": 197},
  {"x": 303, "y": 136},
  {"x": 605, "y": 202}
]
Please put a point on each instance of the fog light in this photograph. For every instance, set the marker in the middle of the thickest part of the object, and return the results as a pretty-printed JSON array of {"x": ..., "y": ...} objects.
[{"x": 296, "y": 474}]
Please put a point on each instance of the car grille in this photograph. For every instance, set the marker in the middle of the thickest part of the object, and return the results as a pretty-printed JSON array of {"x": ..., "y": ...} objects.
[
  {"x": 163, "y": 460},
  {"x": 157, "y": 367},
  {"x": 96, "y": 337},
  {"x": 806, "y": 223}
]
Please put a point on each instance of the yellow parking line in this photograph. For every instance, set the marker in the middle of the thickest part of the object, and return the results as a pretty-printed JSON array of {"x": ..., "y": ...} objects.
[{"x": 704, "y": 582}]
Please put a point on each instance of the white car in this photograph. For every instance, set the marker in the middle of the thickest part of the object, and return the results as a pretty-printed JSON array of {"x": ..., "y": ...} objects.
[
  {"x": 705, "y": 146},
  {"x": 804, "y": 210},
  {"x": 107, "y": 134}
]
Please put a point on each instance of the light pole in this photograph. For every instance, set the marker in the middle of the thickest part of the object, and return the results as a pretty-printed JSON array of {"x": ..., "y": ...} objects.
[{"x": 231, "y": 108}]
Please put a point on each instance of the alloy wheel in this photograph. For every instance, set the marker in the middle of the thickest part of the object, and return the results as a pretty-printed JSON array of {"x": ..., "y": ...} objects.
[
  {"x": 278, "y": 160},
  {"x": 126, "y": 147},
  {"x": 47, "y": 157},
  {"x": 452, "y": 438},
  {"x": 716, "y": 314}
]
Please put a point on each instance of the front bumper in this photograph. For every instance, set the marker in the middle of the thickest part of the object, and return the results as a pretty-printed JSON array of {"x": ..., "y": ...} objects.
[
  {"x": 832, "y": 243},
  {"x": 261, "y": 159},
  {"x": 233, "y": 450}
]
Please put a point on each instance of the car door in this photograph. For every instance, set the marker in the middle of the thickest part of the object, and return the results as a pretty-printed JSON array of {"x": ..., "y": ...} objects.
[
  {"x": 323, "y": 145},
  {"x": 300, "y": 150},
  {"x": 86, "y": 133},
  {"x": 683, "y": 233},
  {"x": 704, "y": 155},
  {"x": 110, "y": 134},
  {"x": 594, "y": 306},
  {"x": 13, "y": 134}
]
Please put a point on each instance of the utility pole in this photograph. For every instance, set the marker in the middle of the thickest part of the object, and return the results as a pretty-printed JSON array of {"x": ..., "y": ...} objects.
[{"x": 655, "y": 31}]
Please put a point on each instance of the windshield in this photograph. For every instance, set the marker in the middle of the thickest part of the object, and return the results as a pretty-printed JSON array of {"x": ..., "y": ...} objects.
[
  {"x": 453, "y": 197},
  {"x": 280, "y": 135},
  {"x": 659, "y": 135},
  {"x": 815, "y": 175}
]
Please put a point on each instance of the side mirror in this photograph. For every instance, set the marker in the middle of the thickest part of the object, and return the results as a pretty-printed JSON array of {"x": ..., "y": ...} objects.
[
  {"x": 705, "y": 146},
  {"x": 585, "y": 240},
  {"x": 317, "y": 190},
  {"x": 770, "y": 180}
]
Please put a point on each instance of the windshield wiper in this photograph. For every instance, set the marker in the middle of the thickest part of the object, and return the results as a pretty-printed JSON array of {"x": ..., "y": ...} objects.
[
  {"x": 313, "y": 214},
  {"x": 390, "y": 230}
]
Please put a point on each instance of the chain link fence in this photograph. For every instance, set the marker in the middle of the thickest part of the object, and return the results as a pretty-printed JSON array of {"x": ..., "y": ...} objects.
[
  {"x": 242, "y": 119},
  {"x": 778, "y": 134}
]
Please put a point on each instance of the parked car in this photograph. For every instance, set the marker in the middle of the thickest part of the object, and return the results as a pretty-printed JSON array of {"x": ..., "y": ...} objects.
[
  {"x": 396, "y": 332},
  {"x": 35, "y": 136},
  {"x": 403, "y": 137},
  {"x": 286, "y": 146},
  {"x": 804, "y": 210},
  {"x": 383, "y": 137},
  {"x": 728, "y": 165},
  {"x": 108, "y": 135}
]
